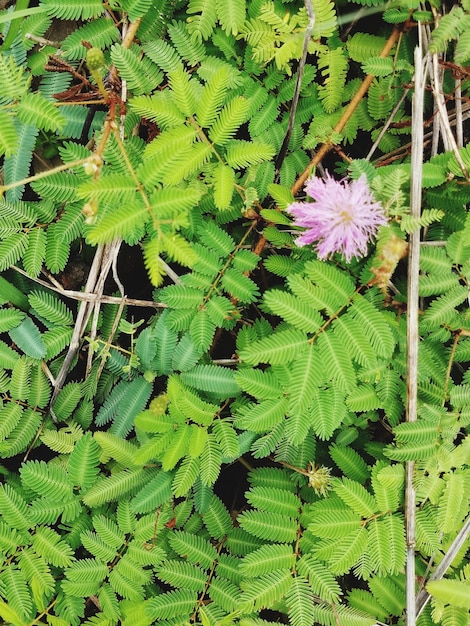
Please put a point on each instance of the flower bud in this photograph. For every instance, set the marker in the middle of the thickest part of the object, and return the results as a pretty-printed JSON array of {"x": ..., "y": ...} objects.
[{"x": 95, "y": 59}]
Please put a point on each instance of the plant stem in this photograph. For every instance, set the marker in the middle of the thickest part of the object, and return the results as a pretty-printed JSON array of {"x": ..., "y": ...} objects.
[{"x": 412, "y": 327}]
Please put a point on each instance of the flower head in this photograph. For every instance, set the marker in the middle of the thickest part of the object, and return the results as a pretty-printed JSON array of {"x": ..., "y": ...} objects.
[{"x": 343, "y": 218}]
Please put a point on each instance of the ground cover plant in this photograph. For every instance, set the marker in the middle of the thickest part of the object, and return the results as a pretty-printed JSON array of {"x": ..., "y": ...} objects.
[{"x": 234, "y": 287}]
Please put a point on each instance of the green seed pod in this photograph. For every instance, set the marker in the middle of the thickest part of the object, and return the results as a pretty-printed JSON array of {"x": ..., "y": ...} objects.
[{"x": 95, "y": 59}]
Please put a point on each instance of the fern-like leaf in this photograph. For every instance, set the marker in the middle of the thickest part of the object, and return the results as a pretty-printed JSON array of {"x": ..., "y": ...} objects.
[
  {"x": 171, "y": 604},
  {"x": 74, "y": 9},
  {"x": 48, "y": 544},
  {"x": 51, "y": 308},
  {"x": 268, "y": 588},
  {"x": 262, "y": 417},
  {"x": 35, "y": 110},
  {"x": 212, "y": 378},
  {"x": 114, "y": 487},
  {"x": 153, "y": 494},
  {"x": 320, "y": 579},
  {"x": 356, "y": 496},
  {"x": 100, "y": 33},
  {"x": 241, "y": 153},
  {"x": 279, "y": 348},
  {"x": 14, "y": 508},
  {"x": 35, "y": 253},
  {"x": 9, "y": 137},
  {"x": 28, "y": 338},
  {"x": 203, "y": 18},
  {"x": 46, "y": 480},
  {"x": 334, "y": 66},
  {"x": 270, "y": 526},
  {"x": 195, "y": 548},
  {"x": 182, "y": 575},
  {"x": 83, "y": 462},
  {"x": 141, "y": 74}
]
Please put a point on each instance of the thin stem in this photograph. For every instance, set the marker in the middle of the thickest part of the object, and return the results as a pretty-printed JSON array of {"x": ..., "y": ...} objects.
[
  {"x": 444, "y": 118},
  {"x": 90, "y": 297},
  {"x": 44, "y": 174},
  {"x": 441, "y": 569},
  {"x": 300, "y": 74},
  {"x": 412, "y": 327},
  {"x": 346, "y": 116}
]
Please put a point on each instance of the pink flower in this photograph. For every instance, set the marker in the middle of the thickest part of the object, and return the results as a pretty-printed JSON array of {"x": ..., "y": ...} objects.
[{"x": 343, "y": 218}]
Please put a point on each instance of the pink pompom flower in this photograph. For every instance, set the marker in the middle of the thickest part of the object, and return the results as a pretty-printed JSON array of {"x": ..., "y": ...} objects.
[{"x": 343, "y": 218}]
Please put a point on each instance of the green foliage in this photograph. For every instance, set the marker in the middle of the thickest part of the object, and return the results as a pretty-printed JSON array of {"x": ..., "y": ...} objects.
[{"x": 123, "y": 505}]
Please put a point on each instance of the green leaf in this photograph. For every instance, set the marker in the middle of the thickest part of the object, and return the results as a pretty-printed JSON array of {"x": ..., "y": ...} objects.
[
  {"x": 8, "y": 136},
  {"x": 74, "y": 11},
  {"x": 226, "y": 438},
  {"x": 280, "y": 348},
  {"x": 182, "y": 574},
  {"x": 202, "y": 330},
  {"x": 217, "y": 519},
  {"x": 386, "y": 545},
  {"x": 46, "y": 480},
  {"x": 211, "y": 461},
  {"x": 50, "y": 307},
  {"x": 122, "y": 222},
  {"x": 266, "y": 559},
  {"x": 268, "y": 588},
  {"x": 11, "y": 249},
  {"x": 47, "y": 542},
  {"x": 229, "y": 120},
  {"x": 239, "y": 286},
  {"x": 83, "y": 463},
  {"x": 344, "y": 553},
  {"x": 10, "y": 293},
  {"x": 274, "y": 500},
  {"x": 453, "y": 592},
  {"x": 224, "y": 186},
  {"x": 115, "y": 486},
  {"x": 215, "y": 379},
  {"x": 231, "y": 14},
  {"x": 270, "y": 526},
  {"x": 262, "y": 384},
  {"x": 153, "y": 494},
  {"x": 300, "y": 602},
  {"x": 322, "y": 582},
  {"x": 10, "y": 318},
  {"x": 241, "y": 153},
  {"x": 36, "y": 110},
  {"x": 293, "y": 310},
  {"x": 35, "y": 253},
  {"x": 15, "y": 511},
  {"x": 262, "y": 417},
  {"x": 356, "y": 496},
  {"x": 28, "y": 338},
  {"x": 195, "y": 548},
  {"x": 171, "y": 604}
]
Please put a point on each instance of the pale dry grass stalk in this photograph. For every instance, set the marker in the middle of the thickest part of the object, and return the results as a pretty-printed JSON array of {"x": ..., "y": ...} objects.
[{"x": 412, "y": 323}]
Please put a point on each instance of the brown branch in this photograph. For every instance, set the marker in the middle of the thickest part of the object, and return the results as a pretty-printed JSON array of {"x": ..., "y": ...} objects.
[
  {"x": 344, "y": 119},
  {"x": 347, "y": 114}
]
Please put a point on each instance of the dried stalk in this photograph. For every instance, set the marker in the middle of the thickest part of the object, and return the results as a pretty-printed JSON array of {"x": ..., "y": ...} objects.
[
  {"x": 104, "y": 260},
  {"x": 423, "y": 596},
  {"x": 300, "y": 73},
  {"x": 439, "y": 99},
  {"x": 94, "y": 285},
  {"x": 412, "y": 325},
  {"x": 90, "y": 297}
]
